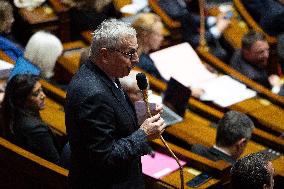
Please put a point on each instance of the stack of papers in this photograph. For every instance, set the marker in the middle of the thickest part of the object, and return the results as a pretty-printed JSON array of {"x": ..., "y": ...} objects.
[{"x": 225, "y": 91}]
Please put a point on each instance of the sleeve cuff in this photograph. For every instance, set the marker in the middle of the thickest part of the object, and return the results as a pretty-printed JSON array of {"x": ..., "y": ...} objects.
[
  {"x": 275, "y": 90},
  {"x": 143, "y": 140}
]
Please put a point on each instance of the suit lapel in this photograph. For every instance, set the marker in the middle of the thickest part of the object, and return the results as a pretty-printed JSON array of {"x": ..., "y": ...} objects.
[{"x": 124, "y": 101}]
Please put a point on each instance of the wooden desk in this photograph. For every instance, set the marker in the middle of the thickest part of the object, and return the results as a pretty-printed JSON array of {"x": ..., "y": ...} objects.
[
  {"x": 196, "y": 132},
  {"x": 50, "y": 115},
  {"x": 70, "y": 58},
  {"x": 40, "y": 15},
  {"x": 174, "y": 179},
  {"x": 62, "y": 11},
  {"x": 33, "y": 20},
  {"x": 22, "y": 169},
  {"x": 58, "y": 6}
]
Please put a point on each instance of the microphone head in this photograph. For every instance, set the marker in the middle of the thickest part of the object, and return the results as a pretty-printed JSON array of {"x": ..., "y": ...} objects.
[{"x": 142, "y": 81}]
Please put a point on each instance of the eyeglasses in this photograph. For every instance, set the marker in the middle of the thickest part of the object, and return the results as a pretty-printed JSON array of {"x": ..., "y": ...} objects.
[{"x": 129, "y": 54}]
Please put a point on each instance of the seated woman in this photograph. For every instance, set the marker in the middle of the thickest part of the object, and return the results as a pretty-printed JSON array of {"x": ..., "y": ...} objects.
[
  {"x": 7, "y": 42},
  {"x": 149, "y": 35},
  {"x": 23, "y": 125},
  {"x": 41, "y": 53}
]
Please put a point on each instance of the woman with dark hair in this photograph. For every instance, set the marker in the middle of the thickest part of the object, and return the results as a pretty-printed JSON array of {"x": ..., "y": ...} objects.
[{"x": 23, "y": 125}]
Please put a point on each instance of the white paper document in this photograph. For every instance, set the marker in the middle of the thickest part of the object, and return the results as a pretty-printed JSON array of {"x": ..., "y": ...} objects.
[
  {"x": 225, "y": 91},
  {"x": 182, "y": 63}
]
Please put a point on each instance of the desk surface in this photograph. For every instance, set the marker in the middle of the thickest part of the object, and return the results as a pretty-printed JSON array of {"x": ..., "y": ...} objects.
[
  {"x": 174, "y": 179},
  {"x": 42, "y": 14},
  {"x": 70, "y": 59},
  {"x": 264, "y": 111},
  {"x": 194, "y": 132}
]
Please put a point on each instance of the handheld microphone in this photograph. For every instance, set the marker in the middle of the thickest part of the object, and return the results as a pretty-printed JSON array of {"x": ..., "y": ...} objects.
[{"x": 143, "y": 85}]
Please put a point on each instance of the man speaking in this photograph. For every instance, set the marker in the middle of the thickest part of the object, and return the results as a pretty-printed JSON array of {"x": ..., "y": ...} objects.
[{"x": 106, "y": 141}]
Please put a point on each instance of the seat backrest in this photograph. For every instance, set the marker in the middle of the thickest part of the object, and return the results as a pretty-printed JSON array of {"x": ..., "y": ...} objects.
[
  {"x": 251, "y": 22},
  {"x": 22, "y": 169},
  {"x": 154, "y": 4}
]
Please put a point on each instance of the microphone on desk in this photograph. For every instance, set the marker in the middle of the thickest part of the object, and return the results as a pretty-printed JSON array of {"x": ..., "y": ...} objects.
[{"x": 143, "y": 85}]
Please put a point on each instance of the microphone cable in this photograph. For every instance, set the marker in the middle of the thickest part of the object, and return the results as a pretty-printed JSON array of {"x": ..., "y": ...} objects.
[{"x": 143, "y": 84}]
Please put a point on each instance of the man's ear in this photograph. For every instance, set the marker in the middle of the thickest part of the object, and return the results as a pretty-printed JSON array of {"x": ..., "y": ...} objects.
[
  {"x": 104, "y": 54},
  {"x": 241, "y": 143}
]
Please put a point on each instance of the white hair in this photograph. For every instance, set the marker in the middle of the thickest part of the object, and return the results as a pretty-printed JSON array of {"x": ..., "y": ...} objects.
[
  {"x": 109, "y": 34},
  {"x": 42, "y": 50}
]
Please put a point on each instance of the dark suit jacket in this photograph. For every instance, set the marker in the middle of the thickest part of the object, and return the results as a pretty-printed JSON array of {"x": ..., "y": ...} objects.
[
  {"x": 281, "y": 92},
  {"x": 105, "y": 141},
  {"x": 268, "y": 13},
  {"x": 241, "y": 65},
  {"x": 31, "y": 133},
  {"x": 211, "y": 153}
]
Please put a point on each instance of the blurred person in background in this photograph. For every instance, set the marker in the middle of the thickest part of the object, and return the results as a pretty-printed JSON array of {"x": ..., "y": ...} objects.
[{"x": 8, "y": 44}]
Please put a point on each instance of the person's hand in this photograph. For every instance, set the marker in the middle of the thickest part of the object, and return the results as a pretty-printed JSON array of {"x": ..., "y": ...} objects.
[
  {"x": 274, "y": 80},
  {"x": 196, "y": 92},
  {"x": 222, "y": 23},
  {"x": 153, "y": 127},
  {"x": 158, "y": 110}
]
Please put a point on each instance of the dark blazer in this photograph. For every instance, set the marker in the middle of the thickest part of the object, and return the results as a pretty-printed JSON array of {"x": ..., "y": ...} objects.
[
  {"x": 281, "y": 92},
  {"x": 211, "y": 153},
  {"x": 268, "y": 13},
  {"x": 241, "y": 65},
  {"x": 105, "y": 141},
  {"x": 31, "y": 133}
]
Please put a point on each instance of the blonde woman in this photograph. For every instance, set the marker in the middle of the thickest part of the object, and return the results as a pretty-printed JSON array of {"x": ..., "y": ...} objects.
[{"x": 149, "y": 29}]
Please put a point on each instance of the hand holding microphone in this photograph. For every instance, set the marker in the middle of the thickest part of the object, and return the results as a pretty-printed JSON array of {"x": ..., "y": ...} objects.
[{"x": 153, "y": 126}]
